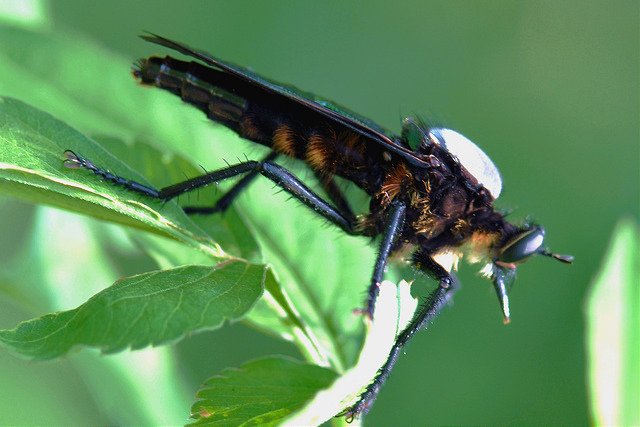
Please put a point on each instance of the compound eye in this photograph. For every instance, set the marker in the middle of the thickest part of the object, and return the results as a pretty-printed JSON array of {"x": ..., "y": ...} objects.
[{"x": 522, "y": 246}]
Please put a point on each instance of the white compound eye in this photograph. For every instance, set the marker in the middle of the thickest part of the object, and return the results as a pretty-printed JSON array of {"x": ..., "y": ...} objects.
[{"x": 474, "y": 160}]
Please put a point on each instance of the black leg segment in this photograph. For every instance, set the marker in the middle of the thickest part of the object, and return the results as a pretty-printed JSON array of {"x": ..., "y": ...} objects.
[
  {"x": 223, "y": 203},
  {"x": 288, "y": 182},
  {"x": 74, "y": 161},
  {"x": 426, "y": 314},
  {"x": 276, "y": 173},
  {"x": 394, "y": 225}
]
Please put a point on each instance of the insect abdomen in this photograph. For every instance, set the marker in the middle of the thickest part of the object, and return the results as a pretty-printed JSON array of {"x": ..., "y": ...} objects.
[
  {"x": 264, "y": 117},
  {"x": 190, "y": 81}
]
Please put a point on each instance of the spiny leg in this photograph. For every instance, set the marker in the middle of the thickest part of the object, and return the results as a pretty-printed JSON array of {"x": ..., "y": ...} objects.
[
  {"x": 287, "y": 181},
  {"x": 447, "y": 286},
  {"x": 223, "y": 203},
  {"x": 276, "y": 173},
  {"x": 394, "y": 225},
  {"x": 74, "y": 161}
]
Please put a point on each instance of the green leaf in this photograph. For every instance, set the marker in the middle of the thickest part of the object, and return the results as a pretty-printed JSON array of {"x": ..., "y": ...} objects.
[
  {"x": 47, "y": 268},
  {"x": 323, "y": 273},
  {"x": 613, "y": 332},
  {"x": 395, "y": 308},
  {"x": 164, "y": 168},
  {"x": 31, "y": 167},
  {"x": 260, "y": 393},
  {"x": 29, "y": 13},
  {"x": 147, "y": 309},
  {"x": 90, "y": 87},
  {"x": 275, "y": 314},
  {"x": 277, "y": 391}
]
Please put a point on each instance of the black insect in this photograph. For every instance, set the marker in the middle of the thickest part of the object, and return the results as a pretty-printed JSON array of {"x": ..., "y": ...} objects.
[{"x": 432, "y": 190}]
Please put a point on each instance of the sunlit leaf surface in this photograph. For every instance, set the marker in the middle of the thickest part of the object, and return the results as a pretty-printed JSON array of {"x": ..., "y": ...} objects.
[
  {"x": 259, "y": 393},
  {"x": 147, "y": 309},
  {"x": 32, "y": 144},
  {"x": 324, "y": 273},
  {"x": 613, "y": 335}
]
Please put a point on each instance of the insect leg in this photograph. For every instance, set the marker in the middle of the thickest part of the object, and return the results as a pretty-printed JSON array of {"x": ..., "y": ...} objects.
[
  {"x": 392, "y": 230},
  {"x": 276, "y": 173},
  {"x": 290, "y": 183},
  {"x": 447, "y": 287},
  {"x": 74, "y": 161},
  {"x": 223, "y": 203}
]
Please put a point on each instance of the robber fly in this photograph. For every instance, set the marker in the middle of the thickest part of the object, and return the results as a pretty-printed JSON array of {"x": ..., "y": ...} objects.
[{"x": 432, "y": 189}]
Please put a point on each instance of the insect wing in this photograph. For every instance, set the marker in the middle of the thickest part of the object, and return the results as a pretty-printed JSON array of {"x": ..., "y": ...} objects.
[{"x": 358, "y": 124}]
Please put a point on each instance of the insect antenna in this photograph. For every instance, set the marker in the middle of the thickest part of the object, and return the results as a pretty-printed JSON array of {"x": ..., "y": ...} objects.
[{"x": 567, "y": 259}]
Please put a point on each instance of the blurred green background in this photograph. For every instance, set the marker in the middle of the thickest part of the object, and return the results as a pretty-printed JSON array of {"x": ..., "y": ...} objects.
[{"x": 549, "y": 89}]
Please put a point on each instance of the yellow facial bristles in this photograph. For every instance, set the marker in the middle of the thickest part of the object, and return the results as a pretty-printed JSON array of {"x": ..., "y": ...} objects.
[
  {"x": 484, "y": 240},
  {"x": 479, "y": 246}
]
